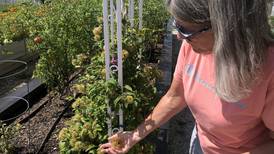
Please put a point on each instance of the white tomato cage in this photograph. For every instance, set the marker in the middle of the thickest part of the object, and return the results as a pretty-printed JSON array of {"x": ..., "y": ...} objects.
[{"x": 112, "y": 16}]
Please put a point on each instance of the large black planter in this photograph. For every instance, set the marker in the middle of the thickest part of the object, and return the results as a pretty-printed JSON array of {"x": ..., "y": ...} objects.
[{"x": 18, "y": 108}]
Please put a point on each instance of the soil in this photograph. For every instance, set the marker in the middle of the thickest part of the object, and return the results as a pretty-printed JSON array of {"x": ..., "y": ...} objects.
[
  {"x": 33, "y": 132},
  {"x": 35, "y": 129}
]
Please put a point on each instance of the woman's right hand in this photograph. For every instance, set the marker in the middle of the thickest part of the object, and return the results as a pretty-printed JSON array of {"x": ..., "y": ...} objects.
[{"x": 119, "y": 143}]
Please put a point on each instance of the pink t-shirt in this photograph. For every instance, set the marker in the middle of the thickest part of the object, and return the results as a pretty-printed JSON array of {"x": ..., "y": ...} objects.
[{"x": 225, "y": 128}]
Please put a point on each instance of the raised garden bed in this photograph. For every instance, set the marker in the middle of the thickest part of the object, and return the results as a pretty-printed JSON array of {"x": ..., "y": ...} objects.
[
  {"x": 39, "y": 119},
  {"x": 59, "y": 57}
]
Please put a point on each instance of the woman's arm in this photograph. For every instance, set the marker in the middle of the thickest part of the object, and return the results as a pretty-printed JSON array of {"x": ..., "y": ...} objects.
[{"x": 170, "y": 104}]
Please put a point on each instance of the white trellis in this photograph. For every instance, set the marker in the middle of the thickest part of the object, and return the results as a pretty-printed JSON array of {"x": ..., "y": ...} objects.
[
  {"x": 112, "y": 13},
  {"x": 140, "y": 14},
  {"x": 131, "y": 12}
]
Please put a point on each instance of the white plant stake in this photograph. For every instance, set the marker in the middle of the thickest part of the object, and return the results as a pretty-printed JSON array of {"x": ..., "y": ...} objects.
[
  {"x": 106, "y": 37},
  {"x": 113, "y": 67},
  {"x": 140, "y": 14},
  {"x": 107, "y": 60},
  {"x": 119, "y": 42},
  {"x": 116, "y": 15},
  {"x": 112, "y": 23},
  {"x": 120, "y": 54},
  {"x": 131, "y": 13}
]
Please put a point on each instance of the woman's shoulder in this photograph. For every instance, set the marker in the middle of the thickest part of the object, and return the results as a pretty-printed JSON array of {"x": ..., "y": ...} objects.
[{"x": 185, "y": 48}]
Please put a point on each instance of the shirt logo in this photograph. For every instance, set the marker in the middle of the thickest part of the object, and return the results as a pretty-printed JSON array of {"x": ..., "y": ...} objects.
[{"x": 191, "y": 72}]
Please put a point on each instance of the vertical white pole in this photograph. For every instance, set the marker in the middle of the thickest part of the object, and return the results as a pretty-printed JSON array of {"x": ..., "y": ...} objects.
[
  {"x": 122, "y": 5},
  {"x": 107, "y": 59},
  {"x": 119, "y": 48},
  {"x": 129, "y": 10},
  {"x": 131, "y": 13},
  {"x": 111, "y": 23},
  {"x": 140, "y": 14},
  {"x": 106, "y": 38}
]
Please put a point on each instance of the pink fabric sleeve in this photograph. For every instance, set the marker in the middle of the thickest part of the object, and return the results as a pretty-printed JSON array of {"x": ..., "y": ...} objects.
[
  {"x": 178, "y": 73},
  {"x": 268, "y": 112}
]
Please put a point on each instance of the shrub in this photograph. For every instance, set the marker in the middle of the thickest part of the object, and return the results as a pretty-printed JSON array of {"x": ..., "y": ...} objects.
[
  {"x": 7, "y": 134},
  {"x": 65, "y": 28}
]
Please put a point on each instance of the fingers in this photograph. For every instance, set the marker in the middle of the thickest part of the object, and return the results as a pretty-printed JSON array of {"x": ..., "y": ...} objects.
[
  {"x": 109, "y": 151},
  {"x": 118, "y": 151},
  {"x": 106, "y": 148},
  {"x": 112, "y": 151},
  {"x": 116, "y": 144}
]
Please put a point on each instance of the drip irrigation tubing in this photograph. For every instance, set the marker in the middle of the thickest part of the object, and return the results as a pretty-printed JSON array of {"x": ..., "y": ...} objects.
[
  {"x": 33, "y": 113},
  {"x": 42, "y": 145}
]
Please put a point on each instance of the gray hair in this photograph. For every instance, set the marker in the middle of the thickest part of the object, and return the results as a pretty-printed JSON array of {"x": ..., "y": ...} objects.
[
  {"x": 241, "y": 34},
  {"x": 195, "y": 11}
]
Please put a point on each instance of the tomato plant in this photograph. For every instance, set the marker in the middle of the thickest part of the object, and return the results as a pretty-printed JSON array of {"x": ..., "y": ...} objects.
[
  {"x": 14, "y": 22},
  {"x": 64, "y": 26}
]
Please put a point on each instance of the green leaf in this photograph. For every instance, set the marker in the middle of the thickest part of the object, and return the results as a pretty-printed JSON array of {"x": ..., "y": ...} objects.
[
  {"x": 90, "y": 147},
  {"x": 127, "y": 87},
  {"x": 117, "y": 100}
]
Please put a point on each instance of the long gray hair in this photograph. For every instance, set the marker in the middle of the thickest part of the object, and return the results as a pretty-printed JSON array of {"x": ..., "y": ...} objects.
[{"x": 241, "y": 34}]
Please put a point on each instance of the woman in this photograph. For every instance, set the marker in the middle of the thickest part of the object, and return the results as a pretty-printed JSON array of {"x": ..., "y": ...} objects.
[{"x": 224, "y": 74}]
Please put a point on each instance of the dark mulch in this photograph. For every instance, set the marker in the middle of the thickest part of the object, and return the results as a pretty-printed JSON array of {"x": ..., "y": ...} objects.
[{"x": 34, "y": 131}]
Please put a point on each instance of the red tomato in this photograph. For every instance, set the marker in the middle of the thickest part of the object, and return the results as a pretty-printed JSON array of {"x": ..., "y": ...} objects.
[{"x": 38, "y": 40}]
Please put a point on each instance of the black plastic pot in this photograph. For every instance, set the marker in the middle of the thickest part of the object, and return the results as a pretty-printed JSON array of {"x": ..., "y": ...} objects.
[{"x": 20, "y": 106}]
